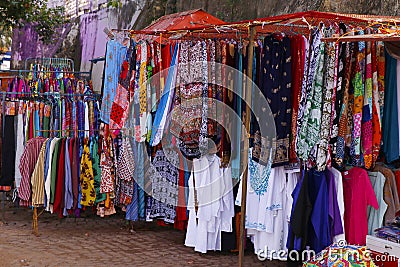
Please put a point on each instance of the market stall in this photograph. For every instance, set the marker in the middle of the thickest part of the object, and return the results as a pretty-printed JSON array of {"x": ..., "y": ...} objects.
[{"x": 278, "y": 129}]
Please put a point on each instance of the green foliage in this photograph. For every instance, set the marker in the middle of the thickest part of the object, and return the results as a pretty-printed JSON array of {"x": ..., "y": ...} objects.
[
  {"x": 16, "y": 13},
  {"x": 114, "y": 3}
]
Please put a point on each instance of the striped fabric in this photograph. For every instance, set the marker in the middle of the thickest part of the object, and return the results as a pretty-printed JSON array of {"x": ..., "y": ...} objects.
[
  {"x": 26, "y": 167},
  {"x": 37, "y": 180}
]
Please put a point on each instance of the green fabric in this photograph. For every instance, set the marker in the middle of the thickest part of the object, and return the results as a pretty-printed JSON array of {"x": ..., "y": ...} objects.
[
  {"x": 46, "y": 122},
  {"x": 60, "y": 107},
  {"x": 309, "y": 133},
  {"x": 62, "y": 87},
  {"x": 54, "y": 168},
  {"x": 96, "y": 170}
]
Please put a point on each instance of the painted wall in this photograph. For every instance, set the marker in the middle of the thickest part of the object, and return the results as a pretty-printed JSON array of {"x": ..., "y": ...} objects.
[
  {"x": 93, "y": 39},
  {"x": 26, "y": 44},
  {"x": 81, "y": 40}
]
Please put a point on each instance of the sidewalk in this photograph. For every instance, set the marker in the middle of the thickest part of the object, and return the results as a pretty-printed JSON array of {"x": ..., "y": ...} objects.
[{"x": 95, "y": 241}]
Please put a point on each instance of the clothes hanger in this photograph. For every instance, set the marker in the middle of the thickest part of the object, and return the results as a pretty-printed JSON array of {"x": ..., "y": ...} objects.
[
  {"x": 278, "y": 35},
  {"x": 291, "y": 31}
]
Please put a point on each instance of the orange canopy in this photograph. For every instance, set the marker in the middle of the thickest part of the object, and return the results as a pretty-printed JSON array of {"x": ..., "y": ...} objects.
[
  {"x": 190, "y": 19},
  {"x": 183, "y": 23}
]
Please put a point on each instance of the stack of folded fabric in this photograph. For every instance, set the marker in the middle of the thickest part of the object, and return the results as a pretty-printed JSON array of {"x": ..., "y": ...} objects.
[
  {"x": 389, "y": 232},
  {"x": 341, "y": 256}
]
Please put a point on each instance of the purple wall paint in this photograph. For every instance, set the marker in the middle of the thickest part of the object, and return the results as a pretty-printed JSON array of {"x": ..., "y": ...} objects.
[
  {"x": 82, "y": 41},
  {"x": 26, "y": 44}
]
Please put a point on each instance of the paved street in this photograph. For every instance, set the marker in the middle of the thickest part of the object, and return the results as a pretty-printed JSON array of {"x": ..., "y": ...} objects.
[{"x": 94, "y": 241}]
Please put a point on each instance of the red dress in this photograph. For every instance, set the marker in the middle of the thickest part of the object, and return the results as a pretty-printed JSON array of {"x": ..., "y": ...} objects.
[{"x": 59, "y": 194}]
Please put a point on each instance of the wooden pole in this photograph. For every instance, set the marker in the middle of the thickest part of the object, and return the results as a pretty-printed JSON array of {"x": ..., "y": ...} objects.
[
  {"x": 247, "y": 95},
  {"x": 35, "y": 223}
]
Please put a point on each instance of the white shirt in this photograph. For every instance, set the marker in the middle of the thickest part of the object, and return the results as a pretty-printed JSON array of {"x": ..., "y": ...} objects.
[
  {"x": 47, "y": 183},
  {"x": 213, "y": 186},
  {"x": 340, "y": 200}
]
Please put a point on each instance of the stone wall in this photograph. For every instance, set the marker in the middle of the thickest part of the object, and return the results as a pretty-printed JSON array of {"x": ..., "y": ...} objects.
[{"x": 231, "y": 10}]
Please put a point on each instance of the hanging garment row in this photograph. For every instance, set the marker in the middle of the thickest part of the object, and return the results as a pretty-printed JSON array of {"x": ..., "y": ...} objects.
[
  {"x": 168, "y": 167},
  {"x": 330, "y": 110},
  {"x": 51, "y": 69},
  {"x": 63, "y": 82},
  {"x": 280, "y": 63},
  {"x": 61, "y": 174},
  {"x": 26, "y": 116}
]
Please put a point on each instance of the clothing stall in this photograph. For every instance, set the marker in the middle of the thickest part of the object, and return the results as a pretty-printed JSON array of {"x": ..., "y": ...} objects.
[
  {"x": 45, "y": 103},
  {"x": 282, "y": 131},
  {"x": 325, "y": 78}
]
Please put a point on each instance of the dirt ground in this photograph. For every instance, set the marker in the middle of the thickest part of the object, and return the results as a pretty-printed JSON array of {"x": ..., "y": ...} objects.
[{"x": 95, "y": 241}]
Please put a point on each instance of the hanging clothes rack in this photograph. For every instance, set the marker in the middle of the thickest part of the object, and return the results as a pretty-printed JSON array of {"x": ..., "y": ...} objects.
[
  {"x": 41, "y": 67},
  {"x": 50, "y": 94},
  {"x": 50, "y": 71},
  {"x": 59, "y": 62},
  {"x": 36, "y": 213},
  {"x": 72, "y": 130},
  {"x": 81, "y": 74}
]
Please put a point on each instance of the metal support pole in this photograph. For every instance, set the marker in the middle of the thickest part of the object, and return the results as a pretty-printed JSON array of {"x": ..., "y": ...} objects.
[{"x": 247, "y": 95}]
